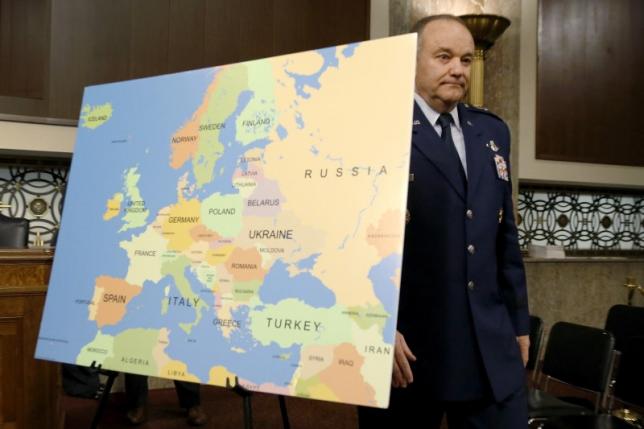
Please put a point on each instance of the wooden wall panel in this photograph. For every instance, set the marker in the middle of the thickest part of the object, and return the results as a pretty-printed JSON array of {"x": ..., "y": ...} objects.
[
  {"x": 29, "y": 388},
  {"x": 256, "y": 28},
  {"x": 222, "y": 42},
  {"x": 10, "y": 372},
  {"x": 96, "y": 41},
  {"x": 590, "y": 87},
  {"x": 187, "y": 29},
  {"x": 6, "y": 28},
  {"x": 318, "y": 23},
  {"x": 24, "y": 56},
  {"x": 23, "y": 47},
  {"x": 294, "y": 26},
  {"x": 335, "y": 21},
  {"x": 238, "y": 31},
  {"x": 149, "y": 37},
  {"x": 90, "y": 45},
  {"x": 42, "y": 379}
]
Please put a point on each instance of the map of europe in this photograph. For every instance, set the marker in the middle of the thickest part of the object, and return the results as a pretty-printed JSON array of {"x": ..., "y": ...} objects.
[{"x": 241, "y": 224}]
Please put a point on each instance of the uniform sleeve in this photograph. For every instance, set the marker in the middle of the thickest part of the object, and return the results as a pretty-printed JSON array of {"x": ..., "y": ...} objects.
[{"x": 511, "y": 272}]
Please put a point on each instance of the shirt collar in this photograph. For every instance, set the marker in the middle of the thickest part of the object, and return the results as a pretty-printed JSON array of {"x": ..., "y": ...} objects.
[{"x": 432, "y": 115}]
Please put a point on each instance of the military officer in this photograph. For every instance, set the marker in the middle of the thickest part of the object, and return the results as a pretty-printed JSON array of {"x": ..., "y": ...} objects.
[{"x": 463, "y": 323}]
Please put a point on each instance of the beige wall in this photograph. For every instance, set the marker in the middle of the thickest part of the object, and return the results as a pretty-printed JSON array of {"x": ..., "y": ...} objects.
[
  {"x": 379, "y": 19},
  {"x": 24, "y": 139},
  {"x": 580, "y": 290}
]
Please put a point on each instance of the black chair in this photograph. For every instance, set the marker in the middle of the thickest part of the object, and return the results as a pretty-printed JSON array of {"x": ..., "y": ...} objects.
[
  {"x": 603, "y": 421},
  {"x": 628, "y": 390},
  {"x": 577, "y": 355},
  {"x": 14, "y": 232},
  {"x": 536, "y": 336},
  {"x": 625, "y": 321}
]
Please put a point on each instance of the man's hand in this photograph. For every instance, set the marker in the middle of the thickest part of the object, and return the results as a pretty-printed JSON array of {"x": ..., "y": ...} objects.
[
  {"x": 402, "y": 374},
  {"x": 524, "y": 346}
]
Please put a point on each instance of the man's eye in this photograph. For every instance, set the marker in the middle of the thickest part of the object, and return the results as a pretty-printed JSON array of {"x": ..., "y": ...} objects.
[{"x": 466, "y": 61}]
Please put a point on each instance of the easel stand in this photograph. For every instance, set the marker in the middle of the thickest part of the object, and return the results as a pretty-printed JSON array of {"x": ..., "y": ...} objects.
[
  {"x": 246, "y": 396},
  {"x": 111, "y": 376}
]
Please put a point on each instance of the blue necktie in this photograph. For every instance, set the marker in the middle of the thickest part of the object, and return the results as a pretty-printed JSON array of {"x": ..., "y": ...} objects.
[{"x": 445, "y": 120}]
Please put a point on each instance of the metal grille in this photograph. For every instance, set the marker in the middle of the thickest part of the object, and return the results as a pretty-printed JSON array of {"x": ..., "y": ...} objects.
[
  {"x": 34, "y": 193},
  {"x": 586, "y": 220}
]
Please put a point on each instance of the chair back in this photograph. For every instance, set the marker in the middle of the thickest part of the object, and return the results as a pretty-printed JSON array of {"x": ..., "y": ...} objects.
[
  {"x": 536, "y": 336},
  {"x": 579, "y": 355},
  {"x": 630, "y": 375},
  {"x": 625, "y": 321},
  {"x": 14, "y": 232}
]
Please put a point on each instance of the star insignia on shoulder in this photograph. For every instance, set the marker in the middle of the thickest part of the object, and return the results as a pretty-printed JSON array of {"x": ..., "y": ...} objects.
[{"x": 481, "y": 109}]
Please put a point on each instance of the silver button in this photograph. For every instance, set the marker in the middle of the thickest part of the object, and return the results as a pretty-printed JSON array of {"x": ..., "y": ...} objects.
[
  {"x": 469, "y": 214},
  {"x": 471, "y": 249},
  {"x": 470, "y": 285}
]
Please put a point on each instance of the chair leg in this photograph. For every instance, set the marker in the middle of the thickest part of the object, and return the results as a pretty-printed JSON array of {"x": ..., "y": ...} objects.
[
  {"x": 606, "y": 395},
  {"x": 536, "y": 422}
]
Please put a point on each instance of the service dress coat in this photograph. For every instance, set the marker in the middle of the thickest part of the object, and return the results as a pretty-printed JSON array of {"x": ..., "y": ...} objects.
[{"x": 463, "y": 298}]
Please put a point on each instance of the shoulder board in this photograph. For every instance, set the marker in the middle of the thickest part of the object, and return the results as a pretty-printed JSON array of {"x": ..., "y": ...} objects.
[{"x": 483, "y": 110}]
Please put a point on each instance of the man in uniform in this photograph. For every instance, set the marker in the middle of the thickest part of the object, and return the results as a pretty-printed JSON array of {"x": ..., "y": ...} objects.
[{"x": 463, "y": 323}]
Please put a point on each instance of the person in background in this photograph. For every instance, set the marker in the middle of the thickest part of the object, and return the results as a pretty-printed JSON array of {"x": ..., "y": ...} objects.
[
  {"x": 81, "y": 381},
  {"x": 136, "y": 393}
]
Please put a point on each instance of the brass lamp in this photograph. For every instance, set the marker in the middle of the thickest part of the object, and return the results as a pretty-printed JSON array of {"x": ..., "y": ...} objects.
[
  {"x": 632, "y": 286},
  {"x": 630, "y": 416},
  {"x": 485, "y": 29}
]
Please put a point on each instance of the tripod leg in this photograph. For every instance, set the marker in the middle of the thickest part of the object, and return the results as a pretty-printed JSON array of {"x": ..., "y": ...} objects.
[
  {"x": 104, "y": 398},
  {"x": 248, "y": 413},
  {"x": 285, "y": 422}
]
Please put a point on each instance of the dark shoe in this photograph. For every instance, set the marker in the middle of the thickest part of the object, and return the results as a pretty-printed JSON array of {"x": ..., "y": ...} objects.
[
  {"x": 99, "y": 391},
  {"x": 137, "y": 416},
  {"x": 196, "y": 416}
]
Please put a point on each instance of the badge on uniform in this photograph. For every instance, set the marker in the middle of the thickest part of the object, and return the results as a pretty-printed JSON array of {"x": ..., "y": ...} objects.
[
  {"x": 501, "y": 168},
  {"x": 493, "y": 146},
  {"x": 416, "y": 122}
]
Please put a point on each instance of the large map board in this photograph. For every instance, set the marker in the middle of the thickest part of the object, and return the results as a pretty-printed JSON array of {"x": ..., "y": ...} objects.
[{"x": 242, "y": 222}]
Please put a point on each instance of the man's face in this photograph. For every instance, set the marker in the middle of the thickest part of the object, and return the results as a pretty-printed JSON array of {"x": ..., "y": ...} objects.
[{"x": 443, "y": 64}]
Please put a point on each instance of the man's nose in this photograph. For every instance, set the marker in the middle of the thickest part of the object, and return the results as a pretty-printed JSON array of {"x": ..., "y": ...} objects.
[{"x": 456, "y": 67}]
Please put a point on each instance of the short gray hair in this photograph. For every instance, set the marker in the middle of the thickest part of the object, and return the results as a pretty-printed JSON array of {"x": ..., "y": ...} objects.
[{"x": 420, "y": 25}]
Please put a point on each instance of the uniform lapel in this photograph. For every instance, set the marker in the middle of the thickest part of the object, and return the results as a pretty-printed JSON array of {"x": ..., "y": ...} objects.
[
  {"x": 427, "y": 141},
  {"x": 476, "y": 153}
]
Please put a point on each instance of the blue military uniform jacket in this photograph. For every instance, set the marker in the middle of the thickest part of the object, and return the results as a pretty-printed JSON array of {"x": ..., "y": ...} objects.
[{"x": 463, "y": 296}]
